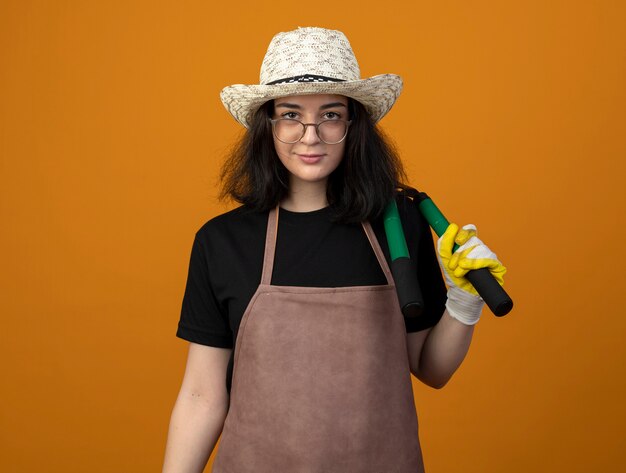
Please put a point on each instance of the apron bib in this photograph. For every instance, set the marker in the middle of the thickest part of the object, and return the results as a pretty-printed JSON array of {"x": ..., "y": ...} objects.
[{"x": 321, "y": 380}]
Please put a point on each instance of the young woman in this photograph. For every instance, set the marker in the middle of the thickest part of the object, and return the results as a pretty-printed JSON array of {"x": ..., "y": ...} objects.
[{"x": 299, "y": 356}]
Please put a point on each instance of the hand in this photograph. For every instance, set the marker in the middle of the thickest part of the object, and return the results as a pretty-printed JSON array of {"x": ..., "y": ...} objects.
[
  {"x": 464, "y": 303},
  {"x": 471, "y": 254}
]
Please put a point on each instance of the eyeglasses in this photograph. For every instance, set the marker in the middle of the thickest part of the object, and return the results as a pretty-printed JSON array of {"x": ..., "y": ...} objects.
[{"x": 290, "y": 131}]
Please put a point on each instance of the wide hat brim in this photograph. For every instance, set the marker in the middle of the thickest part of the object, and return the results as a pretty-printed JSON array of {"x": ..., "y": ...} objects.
[{"x": 377, "y": 94}]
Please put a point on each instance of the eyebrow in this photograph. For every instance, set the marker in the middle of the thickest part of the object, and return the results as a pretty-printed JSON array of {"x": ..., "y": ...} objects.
[{"x": 323, "y": 107}]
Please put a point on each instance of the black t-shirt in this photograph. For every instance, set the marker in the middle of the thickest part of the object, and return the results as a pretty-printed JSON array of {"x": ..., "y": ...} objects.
[{"x": 311, "y": 250}]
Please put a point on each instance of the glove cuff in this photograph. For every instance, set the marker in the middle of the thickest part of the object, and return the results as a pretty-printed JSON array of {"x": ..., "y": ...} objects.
[{"x": 463, "y": 306}]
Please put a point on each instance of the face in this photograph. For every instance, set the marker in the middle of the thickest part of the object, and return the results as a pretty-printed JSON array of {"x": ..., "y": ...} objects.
[{"x": 310, "y": 160}]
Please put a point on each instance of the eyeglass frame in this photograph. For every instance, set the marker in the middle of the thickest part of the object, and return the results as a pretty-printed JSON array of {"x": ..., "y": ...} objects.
[{"x": 304, "y": 127}]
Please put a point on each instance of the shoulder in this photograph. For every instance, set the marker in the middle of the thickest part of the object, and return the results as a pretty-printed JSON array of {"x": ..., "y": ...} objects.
[
  {"x": 408, "y": 209},
  {"x": 236, "y": 223}
]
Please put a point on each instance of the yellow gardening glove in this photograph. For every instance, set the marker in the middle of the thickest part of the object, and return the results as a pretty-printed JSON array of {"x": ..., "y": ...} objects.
[
  {"x": 471, "y": 254},
  {"x": 464, "y": 303}
]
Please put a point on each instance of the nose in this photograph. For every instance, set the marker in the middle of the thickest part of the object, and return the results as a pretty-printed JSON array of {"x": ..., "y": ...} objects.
[{"x": 310, "y": 134}]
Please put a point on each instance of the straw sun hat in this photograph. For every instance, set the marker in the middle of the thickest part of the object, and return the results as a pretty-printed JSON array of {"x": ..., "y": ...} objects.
[{"x": 311, "y": 61}]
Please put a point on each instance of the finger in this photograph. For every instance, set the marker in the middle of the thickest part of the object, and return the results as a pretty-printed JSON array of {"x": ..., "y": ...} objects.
[
  {"x": 467, "y": 232},
  {"x": 496, "y": 268},
  {"x": 459, "y": 256},
  {"x": 498, "y": 273},
  {"x": 446, "y": 242},
  {"x": 460, "y": 272},
  {"x": 479, "y": 263}
]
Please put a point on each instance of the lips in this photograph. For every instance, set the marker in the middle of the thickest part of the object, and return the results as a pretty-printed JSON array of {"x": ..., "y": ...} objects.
[{"x": 310, "y": 158}]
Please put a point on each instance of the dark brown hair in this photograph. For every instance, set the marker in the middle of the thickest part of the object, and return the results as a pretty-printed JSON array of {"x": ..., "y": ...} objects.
[{"x": 359, "y": 189}]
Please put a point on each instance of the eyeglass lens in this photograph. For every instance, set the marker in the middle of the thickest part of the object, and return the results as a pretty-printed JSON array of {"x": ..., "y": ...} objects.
[{"x": 292, "y": 131}]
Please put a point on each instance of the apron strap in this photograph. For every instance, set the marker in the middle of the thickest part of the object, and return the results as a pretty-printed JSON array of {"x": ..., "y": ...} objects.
[
  {"x": 270, "y": 248},
  {"x": 380, "y": 256}
]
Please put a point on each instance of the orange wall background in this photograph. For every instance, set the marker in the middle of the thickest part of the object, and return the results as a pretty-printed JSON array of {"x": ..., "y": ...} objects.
[{"x": 111, "y": 139}]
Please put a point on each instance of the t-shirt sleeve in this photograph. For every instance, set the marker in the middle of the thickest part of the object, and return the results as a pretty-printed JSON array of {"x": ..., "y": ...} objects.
[
  {"x": 202, "y": 320},
  {"x": 421, "y": 243}
]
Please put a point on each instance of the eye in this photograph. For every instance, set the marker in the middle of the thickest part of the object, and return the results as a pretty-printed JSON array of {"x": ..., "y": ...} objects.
[
  {"x": 290, "y": 115},
  {"x": 331, "y": 116}
]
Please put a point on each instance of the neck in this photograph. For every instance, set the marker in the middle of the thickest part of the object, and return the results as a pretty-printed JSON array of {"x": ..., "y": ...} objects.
[{"x": 305, "y": 196}]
